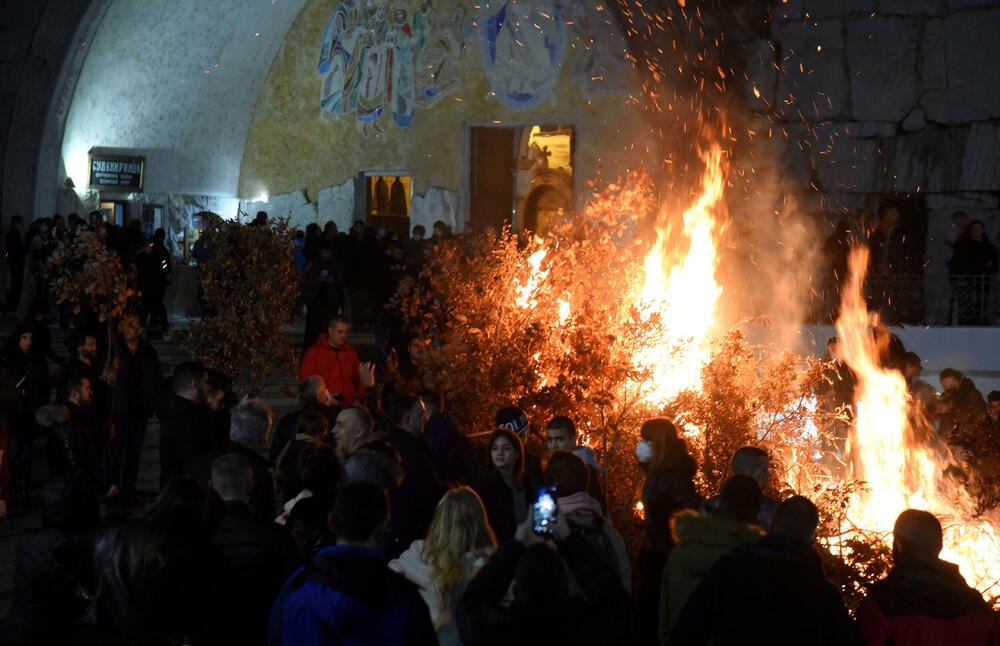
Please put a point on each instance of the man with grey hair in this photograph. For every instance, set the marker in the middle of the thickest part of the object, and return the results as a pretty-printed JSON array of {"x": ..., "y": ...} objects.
[
  {"x": 363, "y": 452},
  {"x": 260, "y": 554},
  {"x": 250, "y": 422}
]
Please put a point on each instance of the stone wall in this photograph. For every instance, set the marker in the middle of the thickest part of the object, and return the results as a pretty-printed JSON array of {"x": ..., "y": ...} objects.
[{"x": 884, "y": 97}]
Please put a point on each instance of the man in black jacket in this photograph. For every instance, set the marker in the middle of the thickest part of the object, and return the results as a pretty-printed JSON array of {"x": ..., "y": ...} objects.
[
  {"x": 261, "y": 555},
  {"x": 137, "y": 383},
  {"x": 417, "y": 496},
  {"x": 544, "y": 610},
  {"x": 772, "y": 591},
  {"x": 83, "y": 363},
  {"x": 186, "y": 443},
  {"x": 71, "y": 446}
]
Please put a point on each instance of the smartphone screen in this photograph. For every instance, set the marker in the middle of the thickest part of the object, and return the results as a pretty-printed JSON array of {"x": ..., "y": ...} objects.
[{"x": 544, "y": 511}]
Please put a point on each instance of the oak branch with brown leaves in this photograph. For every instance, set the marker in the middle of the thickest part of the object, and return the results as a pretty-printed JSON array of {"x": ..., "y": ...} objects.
[
  {"x": 551, "y": 325},
  {"x": 249, "y": 285}
]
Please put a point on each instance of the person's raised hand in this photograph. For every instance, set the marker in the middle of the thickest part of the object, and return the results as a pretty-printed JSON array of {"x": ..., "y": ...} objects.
[
  {"x": 367, "y": 370},
  {"x": 525, "y": 533},
  {"x": 562, "y": 528}
]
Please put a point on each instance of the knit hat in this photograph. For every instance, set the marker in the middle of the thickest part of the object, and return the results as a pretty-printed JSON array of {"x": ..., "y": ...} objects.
[{"x": 513, "y": 418}]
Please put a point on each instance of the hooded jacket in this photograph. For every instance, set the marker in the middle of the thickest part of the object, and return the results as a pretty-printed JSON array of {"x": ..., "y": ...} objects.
[
  {"x": 701, "y": 541},
  {"x": 349, "y": 597},
  {"x": 922, "y": 604},
  {"x": 339, "y": 368},
  {"x": 771, "y": 592}
]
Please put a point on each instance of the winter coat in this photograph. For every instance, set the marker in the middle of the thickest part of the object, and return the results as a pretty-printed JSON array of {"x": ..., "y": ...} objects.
[
  {"x": 262, "y": 491},
  {"x": 414, "y": 500},
  {"x": 284, "y": 431},
  {"x": 31, "y": 390},
  {"x": 411, "y": 564},
  {"x": 348, "y": 597},
  {"x": 286, "y": 470},
  {"x": 597, "y": 617},
  {"x": 375, "y": 462},
  {"x": 53, "y": 566},
  {"x": 926, "y": 604},
  {"x": 451, "y": 449},
  {"x": 261, "y": 557},
  {"x": 137, "y": 382},
  {"x": 602, "y": 537},
  {"x": 100, "y": 407},
  {"x": 70, "y": 446},
  {"x": 967, "y": 405},
  {"x": 973, "y": 257},
  {"x": 50, "y": 569},
  {"x": 772, "y": 591},
  {"x": 666, "y": 491},
  {"x": 187, "y": 445},
  {"x": 701, "y": 542},
  {"x": 498, "y": 500},
  {"x": 339, "y": 368}
]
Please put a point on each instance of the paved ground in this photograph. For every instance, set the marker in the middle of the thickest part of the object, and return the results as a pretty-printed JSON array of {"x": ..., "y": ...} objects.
[{"x": 148, "y": 483}]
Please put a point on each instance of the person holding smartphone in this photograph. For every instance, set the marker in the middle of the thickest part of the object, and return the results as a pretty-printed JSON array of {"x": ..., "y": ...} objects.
[{"x": 545, "y": 567}]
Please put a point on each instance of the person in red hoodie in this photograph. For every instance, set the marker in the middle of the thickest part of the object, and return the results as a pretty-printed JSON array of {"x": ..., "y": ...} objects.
[
  {"x": 334, "y": 359},
  {"x": 924, "y": 601}
]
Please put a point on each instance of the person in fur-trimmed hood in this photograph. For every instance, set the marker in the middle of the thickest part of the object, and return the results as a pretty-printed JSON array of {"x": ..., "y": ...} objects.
[{"x": 702, "y": 539}]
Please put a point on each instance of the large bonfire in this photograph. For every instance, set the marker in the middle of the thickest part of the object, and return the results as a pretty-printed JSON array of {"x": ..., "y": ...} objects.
[
  {"x": 903, "y": 467},
  {"x": 594, "y": 321}
]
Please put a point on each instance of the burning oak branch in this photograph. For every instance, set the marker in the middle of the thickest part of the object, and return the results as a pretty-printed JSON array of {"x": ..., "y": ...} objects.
[{"x": 595, "y": 321}]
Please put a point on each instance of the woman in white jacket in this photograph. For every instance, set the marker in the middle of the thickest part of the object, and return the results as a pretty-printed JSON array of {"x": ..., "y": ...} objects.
[{"x": 458, "y": 543}]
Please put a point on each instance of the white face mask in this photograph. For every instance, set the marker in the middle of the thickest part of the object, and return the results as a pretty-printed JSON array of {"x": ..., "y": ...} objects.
[{"x": 644, "y": 451}]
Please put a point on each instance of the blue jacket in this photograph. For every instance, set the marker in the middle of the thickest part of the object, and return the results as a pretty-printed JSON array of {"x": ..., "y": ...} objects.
[{"x": 349, "y": 597}]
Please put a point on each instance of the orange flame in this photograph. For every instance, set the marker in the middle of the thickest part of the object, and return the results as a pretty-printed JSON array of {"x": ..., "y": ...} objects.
[
  {"x": 901, "y": 471},
  {"x": 682, "y": 291}
]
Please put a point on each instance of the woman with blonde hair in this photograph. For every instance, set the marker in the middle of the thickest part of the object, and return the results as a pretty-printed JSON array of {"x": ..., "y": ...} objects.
[{"x": 458, "y": 543}]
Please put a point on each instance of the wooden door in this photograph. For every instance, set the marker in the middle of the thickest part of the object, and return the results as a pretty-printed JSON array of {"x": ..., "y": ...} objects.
[{"x": 491, "y": 183}]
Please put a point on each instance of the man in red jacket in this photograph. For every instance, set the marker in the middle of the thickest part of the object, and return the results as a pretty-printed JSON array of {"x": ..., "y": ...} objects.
[
  {"x": 924, "y": 601},
  {"x": 334, "y": 359}
]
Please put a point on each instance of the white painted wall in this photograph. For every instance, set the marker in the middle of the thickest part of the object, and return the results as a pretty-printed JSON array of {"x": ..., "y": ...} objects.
[{"x": 177, "y": 82}]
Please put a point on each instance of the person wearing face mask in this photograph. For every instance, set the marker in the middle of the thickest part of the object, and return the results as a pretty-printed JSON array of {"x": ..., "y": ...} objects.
[{"x": 669, "y": 488}]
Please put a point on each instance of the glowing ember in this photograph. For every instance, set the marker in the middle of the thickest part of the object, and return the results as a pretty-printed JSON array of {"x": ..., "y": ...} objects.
[
  {"x": 900, "y": 471},
  {"x": 563, "y": 311},
  {"x": 682, "y": 292}
]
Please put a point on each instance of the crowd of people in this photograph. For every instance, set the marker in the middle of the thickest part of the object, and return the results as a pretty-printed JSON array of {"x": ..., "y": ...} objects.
[
  {"x": 958, "y": 415},
  {"x": 367, "y": 516},
  {"x": 362, "y": 518},
  {"x": 897, "y": 263}
]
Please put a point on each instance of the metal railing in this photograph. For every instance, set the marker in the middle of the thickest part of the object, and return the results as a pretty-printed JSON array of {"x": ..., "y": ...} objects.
[{"x": 972, "y": 299}]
